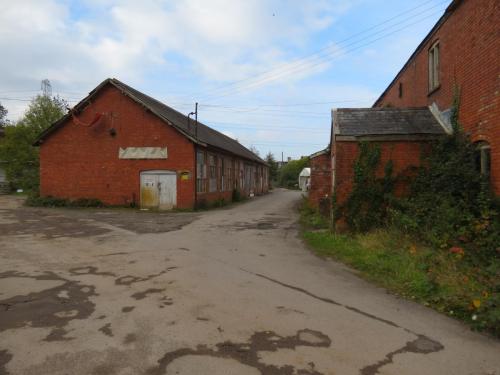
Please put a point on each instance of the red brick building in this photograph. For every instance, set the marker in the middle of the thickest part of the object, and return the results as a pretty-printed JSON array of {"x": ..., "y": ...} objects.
[
  {"x": 460, "y": 54},
  {"x": 461, "y": 51},
  {"x": 321, "y": 178},
  {"x": 400, "y": 133},
  {"x": 124, "y": 147}
]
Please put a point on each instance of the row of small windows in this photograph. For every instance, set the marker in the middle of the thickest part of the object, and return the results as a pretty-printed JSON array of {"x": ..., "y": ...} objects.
[{"x": 215, "y": 173}]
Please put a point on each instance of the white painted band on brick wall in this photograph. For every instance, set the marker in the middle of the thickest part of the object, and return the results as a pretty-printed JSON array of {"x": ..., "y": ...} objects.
[{"x": 143, "y": 153}]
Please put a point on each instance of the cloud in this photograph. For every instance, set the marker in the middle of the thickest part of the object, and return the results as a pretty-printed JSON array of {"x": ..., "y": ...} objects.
[{"x": 76, "y": 45}]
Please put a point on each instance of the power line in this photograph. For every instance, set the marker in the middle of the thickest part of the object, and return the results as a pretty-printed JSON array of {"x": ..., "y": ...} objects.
[
  {"x": 274, "y": 128},
  {"x": 31, "y": 99},
  {"x": 328, "y": 47},
  {"x": 311, "y": 64},
  {"x": 294, "y": 104},
  {"x": 282, "y": 144},
  {"x": 313, "y": 60}
]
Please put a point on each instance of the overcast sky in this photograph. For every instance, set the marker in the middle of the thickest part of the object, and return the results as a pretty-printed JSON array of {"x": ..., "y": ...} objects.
[{"x": 266, "y": 72}]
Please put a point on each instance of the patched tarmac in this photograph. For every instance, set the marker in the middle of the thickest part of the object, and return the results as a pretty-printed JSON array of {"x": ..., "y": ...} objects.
[{"x": 230, "y": 291}]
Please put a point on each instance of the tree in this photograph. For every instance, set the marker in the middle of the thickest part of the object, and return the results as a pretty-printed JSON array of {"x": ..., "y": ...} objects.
[
  {"x": 289, "y": 173},
  {"x": 17, "y": 152},
  {"x": 273, "y": 167},
  {"x": 254, "y": 150},
  {"x": 3, "y": 115}
]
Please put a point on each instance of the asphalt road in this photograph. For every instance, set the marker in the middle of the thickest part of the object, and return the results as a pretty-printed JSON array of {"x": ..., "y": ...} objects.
[{"x": 231, "y": 291}]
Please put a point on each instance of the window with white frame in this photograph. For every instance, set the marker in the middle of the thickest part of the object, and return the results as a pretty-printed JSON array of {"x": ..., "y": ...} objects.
[
  {"x": 201, "y": 172},
  {"x": 483, "y": 158},
  {"x": 434, "y": 67}
]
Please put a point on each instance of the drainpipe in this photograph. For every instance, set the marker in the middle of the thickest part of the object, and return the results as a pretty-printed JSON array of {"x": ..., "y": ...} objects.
[
  {"x": 195, "y": 113},
  {"x": 195, "y": 176},
  {"x": 196, "y": 120}
]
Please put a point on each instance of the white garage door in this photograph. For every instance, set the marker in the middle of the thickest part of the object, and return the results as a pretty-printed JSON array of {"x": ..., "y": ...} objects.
[{"x": 159, "y": 189}]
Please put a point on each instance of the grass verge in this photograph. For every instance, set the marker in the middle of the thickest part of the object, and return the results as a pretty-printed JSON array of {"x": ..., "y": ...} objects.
[{"x": 438, "y": 279}]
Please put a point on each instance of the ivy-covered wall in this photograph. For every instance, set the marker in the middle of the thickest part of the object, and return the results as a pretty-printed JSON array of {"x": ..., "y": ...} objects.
[{"x": 405, "y": 156}]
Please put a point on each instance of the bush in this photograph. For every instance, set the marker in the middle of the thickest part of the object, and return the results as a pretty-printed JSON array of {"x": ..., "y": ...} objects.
[
  {"x": 310, "y": 218},
  {"x": 451, "y": 211},
  {"x": 236, "y": 195},
  {"x": 289, "y": 174},
  {"x": 37, "y": 201}
]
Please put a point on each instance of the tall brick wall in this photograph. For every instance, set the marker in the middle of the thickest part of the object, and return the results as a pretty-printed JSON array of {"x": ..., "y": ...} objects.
[
  {"x": 78, "y": 161},
  {"x": 469, "y": 53},
  {"x": 321, "y": 179},
  {"x": 404, "y": 155}
]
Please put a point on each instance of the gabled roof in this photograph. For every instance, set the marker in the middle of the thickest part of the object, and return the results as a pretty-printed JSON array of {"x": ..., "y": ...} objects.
[
  {"x": 447, "y": 13},
  {"x": 306, "y": 172},
  {"x": 319, "y": 153},
  {"x": 204, "y": 135},
  {"x": 358, "y": 122}
]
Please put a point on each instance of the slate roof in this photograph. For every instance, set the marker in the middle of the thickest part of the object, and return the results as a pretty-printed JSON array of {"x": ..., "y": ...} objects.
[
  {"x": 321, "y": 152},
  {"x": 386, "y": 121},
  {"x": 205, "y": 135}
]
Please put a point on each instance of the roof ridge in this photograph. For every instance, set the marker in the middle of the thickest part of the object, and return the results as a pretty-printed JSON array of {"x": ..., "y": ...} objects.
[
  {"x": 150, "y": 97},
  {"x": 205, "y": 135},
  {"x": 127, "y": 87}
]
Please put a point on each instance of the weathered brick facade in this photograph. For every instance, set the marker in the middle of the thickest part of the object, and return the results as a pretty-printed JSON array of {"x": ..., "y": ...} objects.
[
  {"x": 77, "y": 161},
  {"x": 321, "y": 178},
  {"x": 469, "y": 59},
  {"x": 405, "y": 155}
]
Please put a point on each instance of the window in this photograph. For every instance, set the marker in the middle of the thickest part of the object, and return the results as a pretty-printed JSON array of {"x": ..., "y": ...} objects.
[
  {"x": 212, "y": 173},
  {"x": 400, "y": 93},
  {"x": 228, "y": 175},
  {"x": 201, "y": 172},
  {"x": 483, "y": 158},
  {"x": 434, "y": 67},
  {"x": 221, "y": 173}
]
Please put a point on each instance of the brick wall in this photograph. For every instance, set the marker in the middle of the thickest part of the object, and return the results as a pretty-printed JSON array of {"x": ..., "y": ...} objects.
[
  {"x": 469, "y": 57},
  {"x": 404, "y": 155},
  {"x": 78, "y": 161},
  {"x": 82, "y": 162},
  {"x": 321, "y": 179}
]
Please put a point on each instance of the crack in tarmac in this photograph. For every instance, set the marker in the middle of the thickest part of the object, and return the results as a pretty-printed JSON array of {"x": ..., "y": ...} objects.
[{"x": 421, "y": 345}]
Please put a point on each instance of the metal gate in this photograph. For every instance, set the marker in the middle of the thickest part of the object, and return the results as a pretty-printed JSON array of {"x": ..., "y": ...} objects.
[{"x": 159, "y": 189}]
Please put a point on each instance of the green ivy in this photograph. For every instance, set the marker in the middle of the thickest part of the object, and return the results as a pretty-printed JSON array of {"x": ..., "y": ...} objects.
[{"x": 366, "y": 206}]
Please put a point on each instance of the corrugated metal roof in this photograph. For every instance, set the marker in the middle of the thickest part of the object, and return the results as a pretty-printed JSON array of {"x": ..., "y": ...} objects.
[
  {"x": 386, "y": 121},
  {"x": 205, "y": 135}
]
